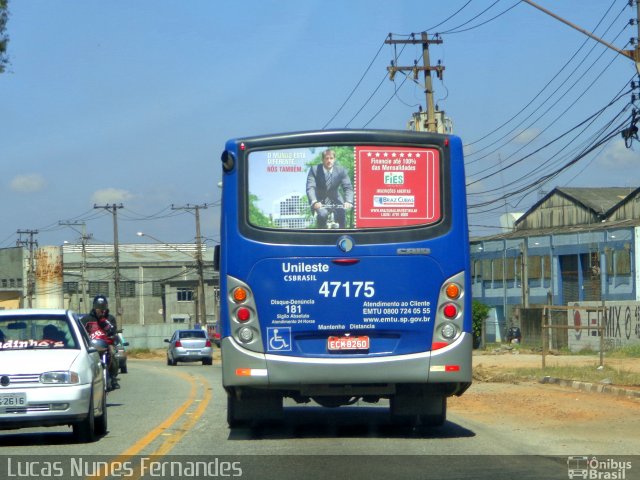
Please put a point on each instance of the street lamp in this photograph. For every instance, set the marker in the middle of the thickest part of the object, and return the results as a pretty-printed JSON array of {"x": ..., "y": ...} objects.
[{"x": 201, "y": 312}]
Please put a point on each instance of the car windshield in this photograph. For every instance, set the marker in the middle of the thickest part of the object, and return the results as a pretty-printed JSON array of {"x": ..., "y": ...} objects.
[
  {"x": 36, "y": 332},
  {"x": 193, "y": 334}
]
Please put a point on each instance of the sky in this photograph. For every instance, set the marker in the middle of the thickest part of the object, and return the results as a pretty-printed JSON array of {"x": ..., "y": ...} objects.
[{"x": 131, "y": 102}]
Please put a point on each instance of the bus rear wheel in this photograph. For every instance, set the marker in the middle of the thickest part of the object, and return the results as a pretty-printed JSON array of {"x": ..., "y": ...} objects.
[
  {"x": 419, "y": 411},
  {"x": 244, "y": 406}
]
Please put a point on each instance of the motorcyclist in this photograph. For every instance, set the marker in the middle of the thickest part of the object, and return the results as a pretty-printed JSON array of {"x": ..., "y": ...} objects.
[{"x": 107, "y": 322}]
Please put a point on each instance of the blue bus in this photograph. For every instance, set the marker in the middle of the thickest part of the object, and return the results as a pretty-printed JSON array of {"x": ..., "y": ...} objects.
[{"x": 344, "y": 273}]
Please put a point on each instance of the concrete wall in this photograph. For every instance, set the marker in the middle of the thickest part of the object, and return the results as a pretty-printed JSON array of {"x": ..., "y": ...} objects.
[
  {"x": 150, "y": 336},
  {"x": 621, "y": 322}
]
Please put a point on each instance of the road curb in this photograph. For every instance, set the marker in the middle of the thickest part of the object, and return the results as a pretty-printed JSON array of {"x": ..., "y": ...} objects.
[{"x": 592, "y": 387}]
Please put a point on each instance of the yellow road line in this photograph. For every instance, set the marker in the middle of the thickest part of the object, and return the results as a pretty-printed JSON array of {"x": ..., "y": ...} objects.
[
  {"x": 174, "y": 438},
  {"x": 170, "y": 442},
  {"x": 167, "y": 423},
  {"x": 143, "y": 442}
]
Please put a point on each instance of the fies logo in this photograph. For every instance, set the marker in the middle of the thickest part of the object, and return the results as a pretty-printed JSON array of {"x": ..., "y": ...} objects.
[{"x": 394, "y": 178}]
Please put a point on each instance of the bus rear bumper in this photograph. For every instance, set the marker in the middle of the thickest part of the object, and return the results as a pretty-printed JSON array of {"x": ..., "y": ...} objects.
[{"x": 448, "y": 370}]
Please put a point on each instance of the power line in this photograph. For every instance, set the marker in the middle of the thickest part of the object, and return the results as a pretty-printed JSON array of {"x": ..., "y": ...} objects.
[
  {"x": 385, "y": 104},
  {"x": 613, "y": 133},
  {"x": 483, "y": 23},
  {"x": 570, "y": 89},
  {"x": 356, "y": 86},
  {"x": 520, "y": 160},
  {"x": 453, "y": 30},
  {"x": 553, "y": 77}
]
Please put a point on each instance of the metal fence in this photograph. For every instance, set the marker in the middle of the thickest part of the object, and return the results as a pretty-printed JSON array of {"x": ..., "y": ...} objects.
[{"x": 548, "y": 326}]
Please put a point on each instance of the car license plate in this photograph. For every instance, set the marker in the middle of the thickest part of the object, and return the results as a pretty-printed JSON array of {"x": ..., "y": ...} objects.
[
  {"x": 13, "y": 399},
  {"x": 347, "y": 343}
]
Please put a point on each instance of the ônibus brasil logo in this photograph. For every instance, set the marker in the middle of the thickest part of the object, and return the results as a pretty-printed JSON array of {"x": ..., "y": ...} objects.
[{"x": 592, "y": 468}]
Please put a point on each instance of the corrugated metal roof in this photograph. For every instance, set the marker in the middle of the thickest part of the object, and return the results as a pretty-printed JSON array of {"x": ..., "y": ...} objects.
[
  {"x": 598, "y": 199},
  {"x": 539, "y": 232},
  {"x": 136, "y": 253}
]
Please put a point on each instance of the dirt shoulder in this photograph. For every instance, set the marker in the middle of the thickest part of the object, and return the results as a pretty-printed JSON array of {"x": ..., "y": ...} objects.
[
  {"x": 579, "y": 419},
  {"x": 505, "y": 360}
]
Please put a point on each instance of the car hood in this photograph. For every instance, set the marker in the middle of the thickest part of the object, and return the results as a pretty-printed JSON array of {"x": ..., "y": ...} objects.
[{"x": 20, "y": 362}]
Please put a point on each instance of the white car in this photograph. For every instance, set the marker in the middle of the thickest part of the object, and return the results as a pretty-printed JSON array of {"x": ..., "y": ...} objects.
[{"x": 50, "y": 374}]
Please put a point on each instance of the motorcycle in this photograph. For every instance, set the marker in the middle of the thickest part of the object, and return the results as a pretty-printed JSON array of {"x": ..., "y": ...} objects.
[{"x": 102, "y": 336}]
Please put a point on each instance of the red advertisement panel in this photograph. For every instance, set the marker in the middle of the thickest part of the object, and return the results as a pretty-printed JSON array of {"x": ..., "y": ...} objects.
[{"x": 397, "y": 186}]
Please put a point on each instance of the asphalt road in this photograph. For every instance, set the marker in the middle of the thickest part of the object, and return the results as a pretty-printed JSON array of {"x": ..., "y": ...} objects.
[{"x": 173, "y": 419}]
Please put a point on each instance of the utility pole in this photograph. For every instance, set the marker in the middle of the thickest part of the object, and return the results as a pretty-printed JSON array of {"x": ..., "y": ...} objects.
[
  {"x": 431, "y": 123},
  {"x": 31, "y": 243},
  {"x": 524, "y": 258},
  {"x": 83, "y": 269},
  {"x": 113, "y": 208},
  {"x": 201, "y": 312},
  {"x": 632, "y": 54}
]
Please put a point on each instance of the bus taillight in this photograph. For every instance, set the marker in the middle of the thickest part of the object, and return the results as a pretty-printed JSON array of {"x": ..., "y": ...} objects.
[
  {"x": 448, "y": 330},
  {"x": 450, "y": 310},
  {"x": 243, "y": 314},
  {"x": 239, "y": 295},
  {"x": 451, "y": 313},
  {"x": 245, "y": 334},
  {"x": 453, "y": 291}
]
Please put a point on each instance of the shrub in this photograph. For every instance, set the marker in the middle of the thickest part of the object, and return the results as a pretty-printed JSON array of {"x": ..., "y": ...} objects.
[{"x": 479, "y": 312}]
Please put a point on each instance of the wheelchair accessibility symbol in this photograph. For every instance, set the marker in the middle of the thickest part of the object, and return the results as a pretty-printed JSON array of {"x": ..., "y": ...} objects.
[{"x": 279, "y": 339}]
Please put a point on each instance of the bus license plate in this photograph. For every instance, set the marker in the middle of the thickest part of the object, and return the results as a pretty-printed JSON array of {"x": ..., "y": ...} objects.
[
  {"x": 13, "y": 399},
  {"x": 347, "y": 343}
]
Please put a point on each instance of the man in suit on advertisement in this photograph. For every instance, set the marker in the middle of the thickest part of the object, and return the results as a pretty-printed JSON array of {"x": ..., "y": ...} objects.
[{"x": 329, "y": 189}]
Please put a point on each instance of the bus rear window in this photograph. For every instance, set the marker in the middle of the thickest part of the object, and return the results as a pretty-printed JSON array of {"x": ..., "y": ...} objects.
[{"x": 344, "y": 187}]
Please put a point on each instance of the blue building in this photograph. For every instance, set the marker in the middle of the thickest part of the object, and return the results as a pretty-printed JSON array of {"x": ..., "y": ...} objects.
[{"x": 573, "y": 245}]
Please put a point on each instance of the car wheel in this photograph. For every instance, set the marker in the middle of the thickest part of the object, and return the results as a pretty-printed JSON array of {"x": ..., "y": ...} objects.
[
  {"x": 171, "y": 362},
  {"x": 123, "y": 368},
  {"x": 101, "y": 424},
  {"x": 207, "y": 361},
  {"x": 85, "y": 431}
]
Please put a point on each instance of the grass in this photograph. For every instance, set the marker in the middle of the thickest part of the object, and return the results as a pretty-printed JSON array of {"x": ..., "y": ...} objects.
[
  {"x": 630, "y": 351},
  {"x": 609, "y": 375},
  {"x": 590, "y": 373},
  {"x": 145, "y": 352}
]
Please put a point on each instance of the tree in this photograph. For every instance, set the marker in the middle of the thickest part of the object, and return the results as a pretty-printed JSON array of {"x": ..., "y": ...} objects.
[
  {"x": 256, "y": 216},
  {"x": 479, "y": 313},
  {"x": 4, "y": 38}
]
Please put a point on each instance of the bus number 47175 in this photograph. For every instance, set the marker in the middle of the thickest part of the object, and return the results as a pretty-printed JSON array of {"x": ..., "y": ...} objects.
[{"x": 347, "y": 289}]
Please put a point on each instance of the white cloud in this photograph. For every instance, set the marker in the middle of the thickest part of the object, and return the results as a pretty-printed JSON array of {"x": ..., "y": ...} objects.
[
  {"x": 618, "y": 156},
  {"x": 28, "y": 183},
  {"x": 527, "y": 136},
  {"x": 111, "y": 195}
]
